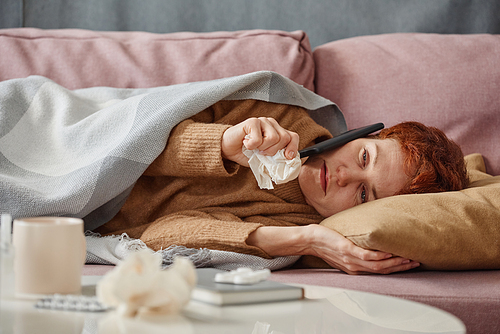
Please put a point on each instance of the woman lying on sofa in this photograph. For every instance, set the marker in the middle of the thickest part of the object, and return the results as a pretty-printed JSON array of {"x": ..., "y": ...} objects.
[{"x": 198, "y": 193}]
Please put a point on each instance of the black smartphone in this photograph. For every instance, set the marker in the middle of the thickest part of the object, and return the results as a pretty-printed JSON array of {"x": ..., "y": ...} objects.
[{"x": 340, "y": 140}]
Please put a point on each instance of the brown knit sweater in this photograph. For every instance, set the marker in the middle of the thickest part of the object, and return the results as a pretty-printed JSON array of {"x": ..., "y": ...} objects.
[{"x": 190, "y": 196}]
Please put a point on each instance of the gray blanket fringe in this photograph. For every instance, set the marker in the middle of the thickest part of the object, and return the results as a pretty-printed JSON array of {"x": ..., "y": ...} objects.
[{"x": 114, "y": 249}]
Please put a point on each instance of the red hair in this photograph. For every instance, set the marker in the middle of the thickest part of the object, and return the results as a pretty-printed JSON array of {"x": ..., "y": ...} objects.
[{"x": 433, "y": 162}]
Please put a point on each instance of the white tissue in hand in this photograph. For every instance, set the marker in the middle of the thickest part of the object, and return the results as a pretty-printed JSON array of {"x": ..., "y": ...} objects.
[
  {"x": 139, "y": 285},
  {"x": 276, "y": 168}
]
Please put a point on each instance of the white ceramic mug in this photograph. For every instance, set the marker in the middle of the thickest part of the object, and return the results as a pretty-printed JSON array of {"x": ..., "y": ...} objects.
[{"x": 49, "y": 255}]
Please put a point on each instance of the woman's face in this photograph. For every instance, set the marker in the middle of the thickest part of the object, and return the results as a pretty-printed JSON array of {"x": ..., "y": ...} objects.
[{"x": 360, "y": 171}]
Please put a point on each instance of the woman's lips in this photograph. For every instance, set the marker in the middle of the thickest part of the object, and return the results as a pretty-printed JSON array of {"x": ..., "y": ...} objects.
[{"x": 323, "y": 177}]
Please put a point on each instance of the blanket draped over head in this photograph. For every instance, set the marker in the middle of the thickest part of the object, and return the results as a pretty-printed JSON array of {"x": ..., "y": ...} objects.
[{"x": 78, "y": 153}]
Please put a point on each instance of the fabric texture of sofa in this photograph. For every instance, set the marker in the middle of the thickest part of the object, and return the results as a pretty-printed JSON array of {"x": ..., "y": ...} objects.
[{"x": 447, "y": 81}]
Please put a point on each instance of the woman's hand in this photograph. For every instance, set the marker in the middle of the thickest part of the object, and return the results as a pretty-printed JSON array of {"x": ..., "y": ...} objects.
[
  {"x": 264, "y": 134},
  {"x": 328, "y": 245},
  {"x": 341, "y": 253}
]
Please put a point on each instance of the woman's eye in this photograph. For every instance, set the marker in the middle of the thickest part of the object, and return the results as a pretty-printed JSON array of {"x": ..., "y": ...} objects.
[
  {"x": 364, "y": 158},
  {"x": 363, "y": 195}
]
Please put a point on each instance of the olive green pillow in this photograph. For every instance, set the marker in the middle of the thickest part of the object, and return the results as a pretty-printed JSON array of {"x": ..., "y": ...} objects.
[{"x": 456, "y": 230}]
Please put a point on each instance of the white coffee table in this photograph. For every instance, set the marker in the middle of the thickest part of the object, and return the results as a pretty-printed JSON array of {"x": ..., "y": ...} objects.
[{"x": 325, "y": 310}]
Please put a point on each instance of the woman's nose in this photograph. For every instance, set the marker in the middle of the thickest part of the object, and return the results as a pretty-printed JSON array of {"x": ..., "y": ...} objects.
[{"x": 345, "y": 176}]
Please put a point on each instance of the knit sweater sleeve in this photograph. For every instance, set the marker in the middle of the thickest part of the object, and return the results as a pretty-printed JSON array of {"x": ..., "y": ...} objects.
[
  {"x": 193, "y": 149},
  {"x": 196, "y": 229}
]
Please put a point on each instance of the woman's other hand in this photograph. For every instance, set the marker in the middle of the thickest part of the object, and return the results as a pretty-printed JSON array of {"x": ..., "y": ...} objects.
[
  {"x": 343, "y": 254},
  {"x": 264, "y": 134},
  {"x": 332, "y": 247}
]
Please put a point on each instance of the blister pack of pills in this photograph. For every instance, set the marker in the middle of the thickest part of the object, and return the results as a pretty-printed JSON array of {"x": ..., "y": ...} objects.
[{"x": 77, "y": 303}]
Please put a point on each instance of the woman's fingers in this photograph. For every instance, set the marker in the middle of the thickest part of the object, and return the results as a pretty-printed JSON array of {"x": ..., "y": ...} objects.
[
  {"x": 342, "y": 254},
  {"x": 287, "y": 139},
  {"x": 353, "y": 265},
  {"x": 274, "y": 138},
  {"x": 266, "y": 135},
  {"x": 381, "y": 262},
  {"x": 261, "y": 134},
  {"x": 379, "y": 268},
  {"x": 367, "y": 255}
]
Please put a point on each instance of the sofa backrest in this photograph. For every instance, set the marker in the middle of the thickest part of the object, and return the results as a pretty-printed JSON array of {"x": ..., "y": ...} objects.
[
  {"x": 83, "y": 58},
  {"x": 451, "y": 82}
]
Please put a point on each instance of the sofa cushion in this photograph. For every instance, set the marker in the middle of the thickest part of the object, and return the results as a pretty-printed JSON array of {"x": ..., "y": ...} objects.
[
  {"x": 456, "y": 230},
  {"x": 447, "y": 81},
  {"x": 82, "y": 58}
]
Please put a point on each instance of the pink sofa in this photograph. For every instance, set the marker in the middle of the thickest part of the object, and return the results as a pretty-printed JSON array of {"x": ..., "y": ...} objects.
[{"x": 451, "y": 82}]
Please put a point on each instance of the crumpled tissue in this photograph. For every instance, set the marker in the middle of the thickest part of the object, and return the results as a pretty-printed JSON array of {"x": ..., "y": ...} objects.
[
  {"x": 138, "y": 284},
  {"x": 268, "y": 169}
]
